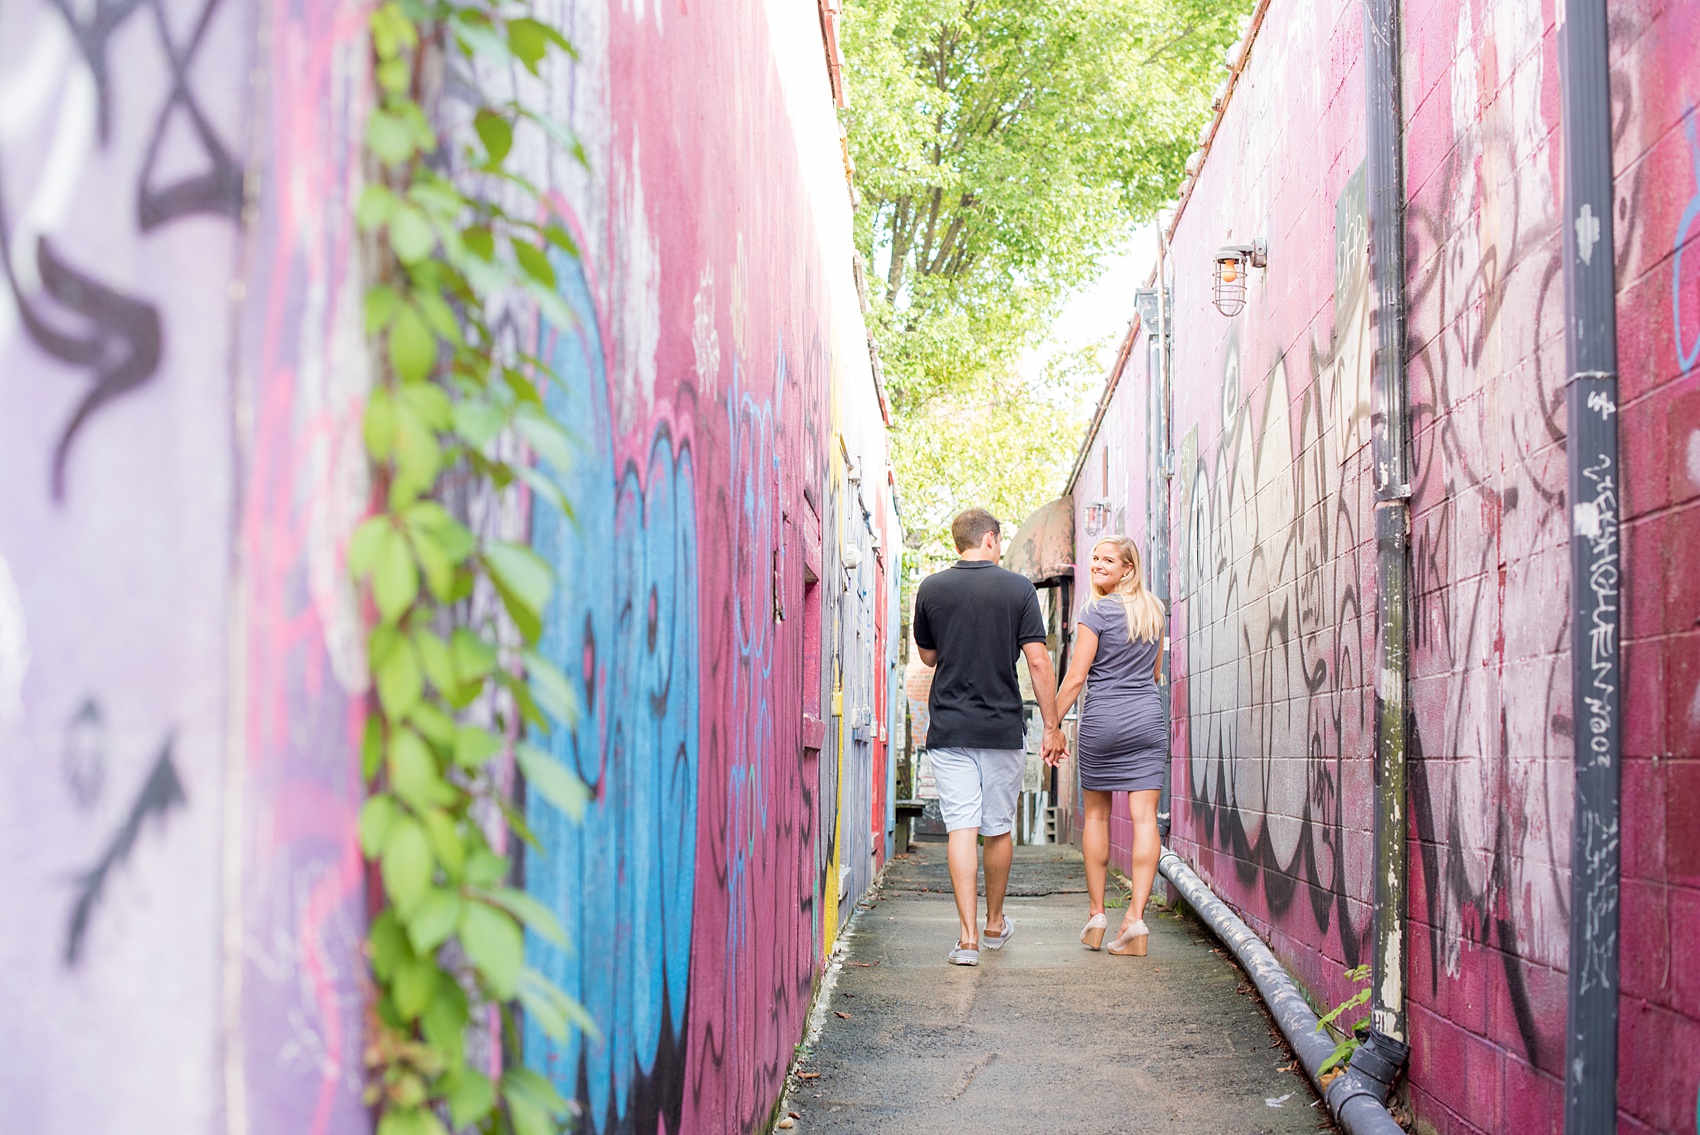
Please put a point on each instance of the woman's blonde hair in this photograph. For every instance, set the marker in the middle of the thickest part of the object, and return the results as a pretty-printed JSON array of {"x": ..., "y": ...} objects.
[{"x": 1144, "y": 610}]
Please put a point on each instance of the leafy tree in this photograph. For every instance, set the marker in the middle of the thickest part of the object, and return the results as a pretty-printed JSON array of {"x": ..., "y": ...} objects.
[
  {"x": 1001, "y": 148},
  {"x": 1005, "y": 447}
]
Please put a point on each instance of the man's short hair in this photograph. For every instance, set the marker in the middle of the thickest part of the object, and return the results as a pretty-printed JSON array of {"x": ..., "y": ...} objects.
[{"x": 969, "y": 528}]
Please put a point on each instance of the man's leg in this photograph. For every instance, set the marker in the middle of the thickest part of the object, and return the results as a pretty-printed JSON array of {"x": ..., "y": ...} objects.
[
  {"x": 964, "y": 871},
  {"x": 957, "y": 775},
  {"x": 1000, "y": 779},
  {"x": 999, "y": 851}
]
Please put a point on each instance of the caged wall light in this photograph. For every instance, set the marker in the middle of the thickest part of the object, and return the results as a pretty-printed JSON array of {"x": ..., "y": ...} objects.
[{"x": 1232, "y": 263}]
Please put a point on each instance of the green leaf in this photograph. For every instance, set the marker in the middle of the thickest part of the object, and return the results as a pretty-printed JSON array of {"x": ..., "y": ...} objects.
[
  {"x": 377, "y": 205},
  {"x": 376, "y": 816},
  {"x": 533, "y": 914},
  {"x": 474, "y": 746},
  {"x": 434, "y": 655},
  {"x": 378, "y": 425},
  {"x": 551, "y": 688},
  {"x": 395, "y": 577},
  {"x": 471, "y": 1095},
  {"x": 530, "y": 40},
  {"x": 389, "y": 943},
  {"x": 496, "y": 132},
  {"x": 432, "y": 919},
  {"x": 394, "y": 75},
  {"x": 407, "y": 863},
  {"x": 553, "y": 1009},
  {"x": 363, "y": 545},
  {"x": 436, "y": 726},
  {"x": 527, "y": 1119},
  {"x": 444, "y": 1026},
  {"x": 478, "y": 421},
  {"x": 539, "y": 483},
  {"x": 372, "y": 746},
  {"x": 521, "y": 572},
  {"x": 561, "y": 239},
  {"x": 495, "y": 946},
  {"x": 413, "y": 349},
  {"x": 535, "y": 263},
  {"x": 552, "y": 780},
  {"x": 389, "y": 137},
  {"x": 411, "y": 235},
  {"x": 547, "y": 438},
  {"x": 480, "y": 241},
  {"x": 474, "y": 657},
  {"x": 400, "y": 683},
  {"x": 477, "y": 40},
  {"x": 415, "y": 983},
  {"x": 446, "y": 838},
  {"x": 391, "y": 30},
  {"x": 413, "y": 770},
  {"x": 485, "y": 868},
  {"x": 440, "y": 316},
  {"x": 531, "y": 1086},
  {"x": 418, "y": 457},
  {"x": 429, "y": 402}
]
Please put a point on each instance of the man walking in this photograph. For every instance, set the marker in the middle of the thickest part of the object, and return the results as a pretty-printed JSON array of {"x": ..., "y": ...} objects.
[{"x": 971, "y": 621}]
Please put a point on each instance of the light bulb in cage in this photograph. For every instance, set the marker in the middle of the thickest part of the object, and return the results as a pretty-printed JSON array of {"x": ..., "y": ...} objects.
[{"x": 1232, "y": 263}]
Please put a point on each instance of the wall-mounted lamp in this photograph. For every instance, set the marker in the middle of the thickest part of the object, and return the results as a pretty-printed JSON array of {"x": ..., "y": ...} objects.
[
  {"x": 1232, "y": 262},
  {"x": 1096, "y": 516}
]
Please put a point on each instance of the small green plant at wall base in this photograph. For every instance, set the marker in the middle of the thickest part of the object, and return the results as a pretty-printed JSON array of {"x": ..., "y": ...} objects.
[
  {"x": 1347, "y": 1037},
  {"x": 455, "y": 693}
]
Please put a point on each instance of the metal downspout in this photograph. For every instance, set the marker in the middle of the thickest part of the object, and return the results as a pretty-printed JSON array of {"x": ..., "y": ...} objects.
[
  {"x": 1389, "y": 430},
  {"x": 1161, "y": 537},
  {"x": 1590, "y": 343}
]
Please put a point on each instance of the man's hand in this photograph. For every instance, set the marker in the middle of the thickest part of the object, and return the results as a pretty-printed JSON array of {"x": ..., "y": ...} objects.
[{"x": 1054, "y": 747}]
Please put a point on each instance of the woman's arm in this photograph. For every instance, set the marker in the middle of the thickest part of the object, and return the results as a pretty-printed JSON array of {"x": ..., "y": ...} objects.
[
  {"x": 1157, "y": 669},
  {"x": 1085, "y": 650}
]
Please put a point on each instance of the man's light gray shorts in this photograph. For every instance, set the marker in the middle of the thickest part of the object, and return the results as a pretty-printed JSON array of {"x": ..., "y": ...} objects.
[{"x": 978, "y": 787}]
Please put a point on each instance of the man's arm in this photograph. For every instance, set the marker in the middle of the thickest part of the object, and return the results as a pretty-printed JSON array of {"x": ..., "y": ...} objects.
[
  {"x": 1045, "y": 692},
  {"x": 928, "y": 657}
]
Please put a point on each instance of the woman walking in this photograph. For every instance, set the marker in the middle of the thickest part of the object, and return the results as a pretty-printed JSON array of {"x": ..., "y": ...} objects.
[{"x": 1123, "y": 743}]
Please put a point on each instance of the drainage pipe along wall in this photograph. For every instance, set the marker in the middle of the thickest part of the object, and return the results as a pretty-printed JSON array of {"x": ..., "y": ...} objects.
[{"x": 1354, "y": 1098}]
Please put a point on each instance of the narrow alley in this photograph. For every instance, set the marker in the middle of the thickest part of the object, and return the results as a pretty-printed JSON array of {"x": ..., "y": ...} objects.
[{"x": 1044, "y": 1036}]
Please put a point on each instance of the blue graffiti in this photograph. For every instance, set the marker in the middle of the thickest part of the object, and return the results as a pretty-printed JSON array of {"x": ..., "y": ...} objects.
[
  {"x": 623, "y": 626},
  {"x": 1684, "y": 354},
  {"x": 757, "y": 562}
]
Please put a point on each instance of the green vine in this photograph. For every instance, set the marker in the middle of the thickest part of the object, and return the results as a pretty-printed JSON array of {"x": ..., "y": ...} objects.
[
  {"x": 447, "y": 950},
  {"x": 1347, "y": 1037}
]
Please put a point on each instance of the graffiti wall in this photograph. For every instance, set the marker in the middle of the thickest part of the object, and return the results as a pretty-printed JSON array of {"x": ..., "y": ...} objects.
[
  {"x": 181, "y": 380},
  {"x": 182, "y": 377},
  {"x": 729, "y": 579},
  {"x": 1273, "y": 544}
]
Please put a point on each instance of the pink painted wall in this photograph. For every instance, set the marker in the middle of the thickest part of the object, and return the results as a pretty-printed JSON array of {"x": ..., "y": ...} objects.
[
  {"x": 1274, "y": 554},
  {"x": 723, "y": 579}
]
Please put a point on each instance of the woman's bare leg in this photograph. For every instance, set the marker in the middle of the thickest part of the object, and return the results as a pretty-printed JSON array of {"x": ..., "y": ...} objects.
[
  {"x": 1095, "y": 846},
  {"x": 1147, "y": 846}
]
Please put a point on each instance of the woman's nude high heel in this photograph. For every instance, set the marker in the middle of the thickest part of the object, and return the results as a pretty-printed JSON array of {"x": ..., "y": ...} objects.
[
  {"x": 1132, "y": 941},
  {"x": 1092, "y": 935}
]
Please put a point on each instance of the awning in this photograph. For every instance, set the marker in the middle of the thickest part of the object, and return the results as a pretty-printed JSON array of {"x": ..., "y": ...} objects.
[{"x": 1043, "y": 547}]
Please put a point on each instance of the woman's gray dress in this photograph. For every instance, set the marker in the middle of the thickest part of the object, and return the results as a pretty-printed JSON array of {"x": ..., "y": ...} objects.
[{"x": 1123, "y": 740}]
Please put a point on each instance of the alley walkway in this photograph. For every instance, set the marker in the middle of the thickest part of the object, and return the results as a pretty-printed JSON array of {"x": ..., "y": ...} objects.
[{"x": 1045, "y": 1036}]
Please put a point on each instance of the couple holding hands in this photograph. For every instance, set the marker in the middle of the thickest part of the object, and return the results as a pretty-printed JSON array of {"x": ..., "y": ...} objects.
[{"x": 971, "y": 622}]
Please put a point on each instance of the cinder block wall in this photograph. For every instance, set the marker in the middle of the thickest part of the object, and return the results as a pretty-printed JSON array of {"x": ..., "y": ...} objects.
[{"x": 1274, "y": 553}]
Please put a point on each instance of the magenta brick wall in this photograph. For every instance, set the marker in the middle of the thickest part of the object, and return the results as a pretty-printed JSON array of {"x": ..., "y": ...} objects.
[{"x": 1274, "y": 555}]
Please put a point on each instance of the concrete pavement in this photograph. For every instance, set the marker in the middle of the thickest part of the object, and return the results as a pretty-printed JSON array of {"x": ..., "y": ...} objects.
[{"x": 1044, "y": 1036}]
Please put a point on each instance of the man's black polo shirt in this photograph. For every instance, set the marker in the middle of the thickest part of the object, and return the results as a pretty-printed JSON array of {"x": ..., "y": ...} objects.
[{"x": 977, "y": 616}]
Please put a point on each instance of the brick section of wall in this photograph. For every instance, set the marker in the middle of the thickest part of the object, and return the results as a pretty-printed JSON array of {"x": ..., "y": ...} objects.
[{"x": 1274, "y": 561}]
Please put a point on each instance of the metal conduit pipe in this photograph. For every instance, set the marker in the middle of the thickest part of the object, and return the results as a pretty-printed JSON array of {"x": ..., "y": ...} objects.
[{"x": 1354, "y": 1099}]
